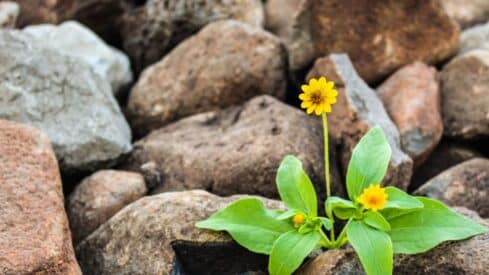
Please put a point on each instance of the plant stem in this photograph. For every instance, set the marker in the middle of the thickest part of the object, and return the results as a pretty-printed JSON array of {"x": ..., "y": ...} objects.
[
  {"x": 326, "y": 167},
  {"x": 326, "y": 241},
  {"x": 339, "y": 242}
]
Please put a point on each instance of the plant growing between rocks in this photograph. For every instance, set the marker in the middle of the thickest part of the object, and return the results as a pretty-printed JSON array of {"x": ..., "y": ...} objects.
[{"x": 380, "y": 221}]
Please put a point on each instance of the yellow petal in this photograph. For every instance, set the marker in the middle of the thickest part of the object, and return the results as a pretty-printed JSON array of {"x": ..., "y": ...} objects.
[
  {"x": 306, "y": 104},
  {"x": 322, "y": 82},
  {"x": 330, "y": 85},
  {"x": 319, "y": 110},
  {"x": 314, "y": 84},
  {"x": 305, "y": 88},
  {"x": 310, "y": 110},
  {"x": 332, "y": 93},
  {"x": 302, "y": 96},
  {"x": 327, "y": 108},
  {"x": 331, "y": 100}
]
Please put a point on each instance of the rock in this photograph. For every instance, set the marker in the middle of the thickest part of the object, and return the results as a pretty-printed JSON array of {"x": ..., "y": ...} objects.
[
  {"x": 359, "y": 109},
  {"x": 233, "y": 151},
  {"x": 467, "y": 13},
  {"x": 411, "y": 97},
  {"x": 465, "y": 95},
  {"x": 157, "y": 235},
  {"x": 151, "y": 30},
  {"x": 73, "y": 39},
  {"x": 206, "y": 73},
  {"x": 474, "y": 38},
  {"x": 35, "y": 237},
  {"x": 99, "y": 197},
  {"x": 9, "y": 11},
  {"x": 379, "y": 36},
  {"x": 63, "y": 97},
  {"x": 466, "y": 184},
  {"x": 45, "y": 11}
]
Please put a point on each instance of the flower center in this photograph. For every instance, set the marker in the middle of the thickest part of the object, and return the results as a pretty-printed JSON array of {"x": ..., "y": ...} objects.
[
  {"x": 298, "y": 219},
  {"x": 373, "y": 200},
  {"x": 316, "y": 97}
]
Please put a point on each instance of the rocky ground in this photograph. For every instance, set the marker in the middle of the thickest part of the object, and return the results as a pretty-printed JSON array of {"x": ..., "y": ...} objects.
[{"x": 124, "y": 122}]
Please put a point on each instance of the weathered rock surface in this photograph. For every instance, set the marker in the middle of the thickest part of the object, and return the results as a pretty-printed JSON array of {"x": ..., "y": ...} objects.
[
  {"x": 63, "y": 97},
  {"x": 233, "y": 151},
  {"x": 9, "y": 11},
  {"x": 45, "y": 11},
  {"x": 467, "y": 13},
  {"x": 474, "y": 38},
  {"x": 465, "y": 95},
  {"x": 73, "y": 39},
  {"x": 411, "y": 97},
  {"x": 466, "y": 184},
  {"x": 206, "y": 73},
  {"x": 34, "y": 232},
  {"x": 152, "y": 234},
  {"x": 379, "y": 36},
  {"x": 151, "y": 30},
  {"x": 359, "y": 109},
  {"x": 99, "y": 197}
]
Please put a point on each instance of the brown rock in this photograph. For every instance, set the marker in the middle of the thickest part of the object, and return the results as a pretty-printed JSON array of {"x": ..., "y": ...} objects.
[
  {"x": 411, "y": 97},
  {"x": 206, "y": 73},
  {"x": 465, "y": 95},
  {"x": 467, "y": 13},
  {"x": 9, "y": 11},
  {"x": 233, "y": 151},
  {"x": 35, "y": 236},
  {"x": 157, "y": 235},
  {"x": 99, "y": 197},
  {"x": 466, "y": 184},
  {"x": 45, "y": 11},
  {"x": 359, "y": 109}
]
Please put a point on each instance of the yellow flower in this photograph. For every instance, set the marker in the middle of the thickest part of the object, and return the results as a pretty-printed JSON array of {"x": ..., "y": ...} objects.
[
  {"x": 373, "y": 197},
  {"x": 298, "y": 219},
  {"x": 318, "y": 96}
]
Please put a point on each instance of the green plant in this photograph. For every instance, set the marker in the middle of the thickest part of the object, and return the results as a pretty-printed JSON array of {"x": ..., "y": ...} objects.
[{"x": 379, "y": 221}]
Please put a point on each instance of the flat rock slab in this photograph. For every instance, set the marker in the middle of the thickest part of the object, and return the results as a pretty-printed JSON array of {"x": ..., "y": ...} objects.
[
  {"x": 34, "y": 232},
  {"x": 359, "y": 109},
  {"x": 207, "y": 72}
]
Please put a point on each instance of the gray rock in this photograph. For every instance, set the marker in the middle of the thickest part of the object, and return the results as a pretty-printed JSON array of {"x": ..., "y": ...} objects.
[
  {"x": 63, "y": 97},
  {"x": 474, "y": 38},
  {"x": 467, "y": 13},
  {"x": 9, "y": 11},
  {"x": 73, "y": 39}
]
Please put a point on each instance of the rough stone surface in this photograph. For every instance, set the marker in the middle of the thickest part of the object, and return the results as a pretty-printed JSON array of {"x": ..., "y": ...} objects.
[
  {"x": 99, "y": 197},
  {"x": 73, "y": 39},
  {"x": 233, "y": 151},
  {"x": 379, "y": 36},
  {"x": 473, "y": 38},
  {"x": 151, "y": 30},
  {"x": 467, "y": 13},
  {"x": 465, "y": 95},
  {"x": 45, "y": 11},
  {"x": 9, "y": 11},
  {"x": 207, "y": 72},
  {"x": 411, "y": 97},
  {"x": 466, "y": 184},
  {"x": 152, "y": 234},
  {"x": 34, "y": 232},
  {"x": 359, "y": 109},
  {"x": 63, "y": 97}
]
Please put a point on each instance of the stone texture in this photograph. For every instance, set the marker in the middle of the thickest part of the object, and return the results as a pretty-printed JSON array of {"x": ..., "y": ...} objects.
[
  {"x": 465, "y": 95},
  {"x": 379, "y": 36},
  {"x": 151, "y": 30},
  {"x": 411, "y": 97},
  {"x": 467, "y": 13},
  {"x": 45, "y": 11},
  {"x": 473, "y": 38},
  {"x": 100, "y": 196},
  {"x": 157, "y": 235},
  {"x": 73, "y": 39},
  {"x": 34, "y": 232},
  {"x": 9, "y": 11},
  {"x": 63, "y": 97},
  {"x": 233, "y": 151},
  {"x": 466, "y": 184},
  {"x": 206, "y": 72},
  {"x": 359, "y": 109}
]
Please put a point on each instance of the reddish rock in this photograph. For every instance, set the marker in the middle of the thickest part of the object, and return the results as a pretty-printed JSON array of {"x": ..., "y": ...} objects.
[
  {"x": 34, "y": 232},
  {"x": 466, "y": 184},
  {"x": 99, "y": 197},
  {"x": 467, "y": 13},
  {"x": 411, "y": 97},
  {"x": 206, "y": 72},
  {"x": 359, "y": 109},
  {"x": 465, "y": 95},
  {"x": 45, "y": 11}
]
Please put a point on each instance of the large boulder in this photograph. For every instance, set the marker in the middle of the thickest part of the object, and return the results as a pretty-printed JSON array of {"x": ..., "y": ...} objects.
[
  {"x": 467, "y": 13},
  {"x": 359, "y": 109},
  {"x": 100, "y": 196},
  {"x": 157, "y": 235},
  {"x": 207, "y": 72},
  {"x": 63, "y": 97},
  {"x": 411, "y": 97},
  {"x": 9, "y": 11},
  {"x": 379, "y": 36},
  {"x": 34, "y": 232},
  {"x": 233, "y": 151}
]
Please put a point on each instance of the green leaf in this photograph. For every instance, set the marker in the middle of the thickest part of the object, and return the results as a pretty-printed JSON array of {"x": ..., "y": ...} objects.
[
  {"x": 374, "y": 248},
  {"x": 290, "y": 250},
  {"x": 343, "y": 209},
  {"x": 287, "y": 214},
  {"x": 249, "y": 223},
  {"x": 376, "y": 220},
  {"x": 400, "y": 200},
  {"x": 421, "y": 229},
  {"x": 327, "y": 223},
  {"x": 369, "y": 161},
  {"x": 295, "y": 187}
]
